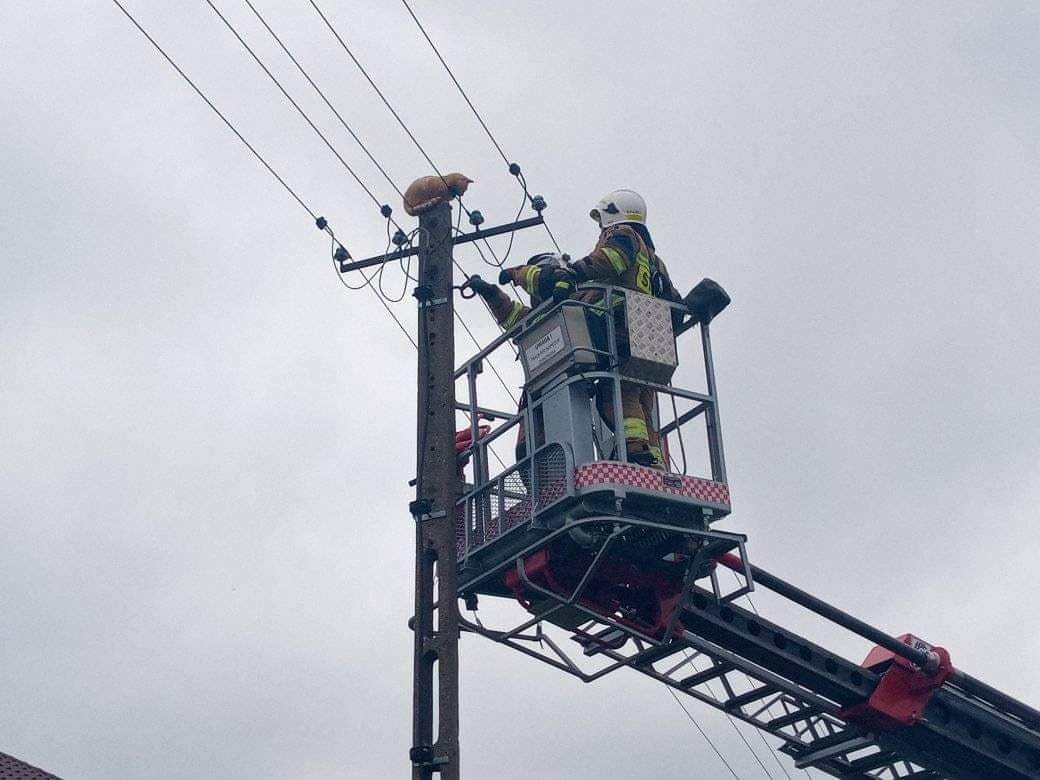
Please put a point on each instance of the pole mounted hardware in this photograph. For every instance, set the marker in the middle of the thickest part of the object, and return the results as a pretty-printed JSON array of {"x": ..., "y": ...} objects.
[{"x": 465, "y": 238}]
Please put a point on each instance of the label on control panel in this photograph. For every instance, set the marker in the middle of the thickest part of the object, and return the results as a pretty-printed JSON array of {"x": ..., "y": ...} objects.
[{"x": 545, "y": 349}]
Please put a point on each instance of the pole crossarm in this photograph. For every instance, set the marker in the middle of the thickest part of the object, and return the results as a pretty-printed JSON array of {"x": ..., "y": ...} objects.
[{"x": 465, "y": 238}]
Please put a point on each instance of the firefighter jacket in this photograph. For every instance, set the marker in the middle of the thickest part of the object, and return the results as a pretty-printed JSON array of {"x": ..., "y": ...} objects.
[
  {"x": 625, "y": 256},
  {"x": 506, "y": 311}
]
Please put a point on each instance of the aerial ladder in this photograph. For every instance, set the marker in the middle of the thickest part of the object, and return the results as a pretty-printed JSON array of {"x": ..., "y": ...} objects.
[{"x": 609, "y": 564}]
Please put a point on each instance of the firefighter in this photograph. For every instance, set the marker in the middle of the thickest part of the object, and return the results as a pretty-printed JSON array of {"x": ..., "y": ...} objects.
[
  {"x": 546, "y": 275},
  {"x": 625, "y": 256}
]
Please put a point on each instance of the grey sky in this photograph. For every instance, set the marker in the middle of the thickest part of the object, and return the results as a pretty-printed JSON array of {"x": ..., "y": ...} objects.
[{"x": 206, "y": 567}]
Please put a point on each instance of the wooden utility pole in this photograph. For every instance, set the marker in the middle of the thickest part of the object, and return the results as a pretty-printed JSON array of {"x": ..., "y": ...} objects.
[{"x": 436, "y": 623}]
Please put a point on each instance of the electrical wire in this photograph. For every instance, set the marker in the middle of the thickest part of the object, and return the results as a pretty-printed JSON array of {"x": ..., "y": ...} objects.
[
  {"x": 254, "y": 152},
  {"x": 461, "y": 90},
  {"x": 379, "y": 92},
  {"x": 216, "y": 110},
  {"x": 733, "y": 723},
  {"x": 302, "y": 113},
  {"x": 368, "y": 283},
  {"x": 476, "y": 113},
  {"x": 335, "y": 242},
  {"x": 527, "y": 194},
  {"x": 491, "y": 365},
  {"x": 761, "y": 736},
  {"x": 321, "y": 94},
  {"x": 711, "y": 744},
  {"x": 393, "y": 111}
]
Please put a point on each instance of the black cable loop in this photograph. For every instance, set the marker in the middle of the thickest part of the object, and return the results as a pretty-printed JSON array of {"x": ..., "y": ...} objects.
[
  {"x": 512, "y": 234},
  {"x": 382, "y": 269},
  {"x": 480, "y": 252},
  {"x": 296, "y": 105},
  {"x": 368, "y": 283}
]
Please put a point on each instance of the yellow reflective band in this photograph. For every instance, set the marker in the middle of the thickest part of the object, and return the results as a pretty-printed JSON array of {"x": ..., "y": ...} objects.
[
  {"x": 617, "y": 260},
  {"x": 514, "y": 315},
  {"x": 657, "y": 453},
  {"x": 634, "y": 216},
  {"x": 643, "y": 276},
  {"x": 531, "y": 279},
  {"x": 635, "y": 429}
]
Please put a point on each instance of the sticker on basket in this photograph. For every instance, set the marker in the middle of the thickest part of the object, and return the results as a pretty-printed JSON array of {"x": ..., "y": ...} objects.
[{"x": 544, "y": 349}]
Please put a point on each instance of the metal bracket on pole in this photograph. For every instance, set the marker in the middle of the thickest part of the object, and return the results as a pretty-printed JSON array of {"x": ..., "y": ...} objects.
[{"x": 465, "y": 238}]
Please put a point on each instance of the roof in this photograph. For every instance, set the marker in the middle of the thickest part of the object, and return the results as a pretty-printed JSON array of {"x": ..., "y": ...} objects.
[{"x": 13, "y": 769}]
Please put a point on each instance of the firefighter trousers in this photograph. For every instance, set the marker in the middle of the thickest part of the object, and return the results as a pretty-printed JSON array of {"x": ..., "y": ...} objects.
[{"x": 642, "y": 439}]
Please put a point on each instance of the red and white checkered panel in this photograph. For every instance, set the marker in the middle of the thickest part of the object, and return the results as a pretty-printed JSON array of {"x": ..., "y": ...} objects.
[{"x": 606, "y": 472}]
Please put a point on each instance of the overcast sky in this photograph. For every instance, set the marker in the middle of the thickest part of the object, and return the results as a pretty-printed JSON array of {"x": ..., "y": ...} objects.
[{"x": 206, "y": 567}]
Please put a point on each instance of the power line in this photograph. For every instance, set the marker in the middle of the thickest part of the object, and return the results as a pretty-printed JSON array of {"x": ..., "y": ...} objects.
[
  {"x": 216, "y": 111},
  {"x": 302, "y": 113},
  {"x": 761, "y": 736},
  {"x": 368, "y": 283},
  {"x": 393, "y": 111},
  {"x": 255, "y": 153},
  {"x": 711, "y": 744},
  {"x": 733, "y": 723},
  {"x": 491, "y": 365},
  {"x": 297, "y": 198},
  {"x": 328, "y": 103},
  {"x": 514, "y": 167},
  {"x": 461, "y": 90},
  {"x": 379, "y": 92}
]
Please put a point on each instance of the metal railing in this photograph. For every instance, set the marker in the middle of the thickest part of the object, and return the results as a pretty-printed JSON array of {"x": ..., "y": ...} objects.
[{"x": 489, "y": 497}]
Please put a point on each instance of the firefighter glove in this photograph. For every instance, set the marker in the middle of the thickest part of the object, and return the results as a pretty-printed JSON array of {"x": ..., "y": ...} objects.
[
  {"x": 482, "y": 288},
  {"x": 556, "y": 283}
]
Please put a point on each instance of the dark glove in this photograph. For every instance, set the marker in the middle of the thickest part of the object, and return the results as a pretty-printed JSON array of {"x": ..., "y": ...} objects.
[
  {"x": 504, "y": 277},
  {"x": 556, "y": 283},
  {"x": 482, "y": 288}
]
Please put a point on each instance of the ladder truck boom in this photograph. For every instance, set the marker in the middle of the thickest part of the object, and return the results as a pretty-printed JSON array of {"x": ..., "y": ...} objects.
[{"x": 611, "y": 565}]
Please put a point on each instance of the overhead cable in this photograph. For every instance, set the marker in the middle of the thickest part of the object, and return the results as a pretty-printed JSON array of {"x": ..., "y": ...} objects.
[
  {"x": 711, "y": 744},
  {"x": 514, "y": 169},
  {"x": 733, "y": 722},
  {"x": 321, "y": 94},
  {"x": 382, "y": 207},
  {"x": 457, "y": 84},
  {"x": 321, "y": 222},
  {"x": 393, "y": 111},
  {"x": 216, "y": 110}
]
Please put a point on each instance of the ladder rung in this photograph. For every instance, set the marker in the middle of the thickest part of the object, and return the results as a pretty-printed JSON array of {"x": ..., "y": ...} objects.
[
  {"x": 879, "y": 759},
  {"x": 746, "y": 698},
  {"x": 839, "y": 748},
  {"x": 792, "y": 717},
  {"x": 708, "y": 674}
]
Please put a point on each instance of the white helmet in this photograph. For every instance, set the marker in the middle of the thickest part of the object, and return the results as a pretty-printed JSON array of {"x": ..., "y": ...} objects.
[{"x": 620, "y": 206}]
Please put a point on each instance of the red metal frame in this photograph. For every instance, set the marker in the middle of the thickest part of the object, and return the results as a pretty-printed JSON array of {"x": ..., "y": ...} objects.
[
  {"x": 644, "y": 601},
  {"x": 904, "y": 690}
]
